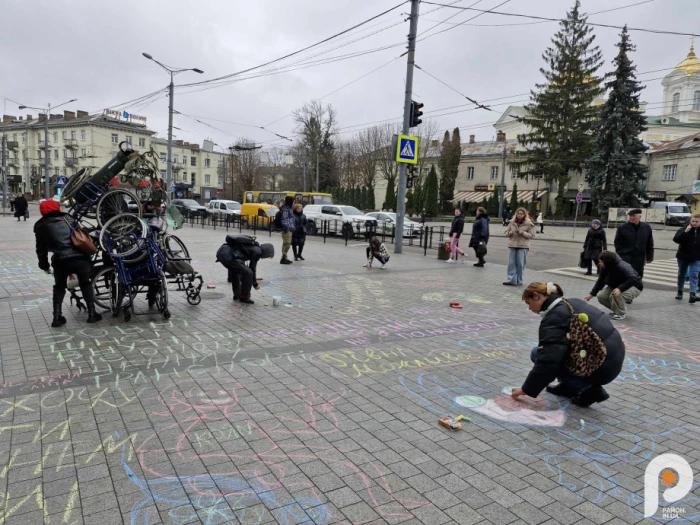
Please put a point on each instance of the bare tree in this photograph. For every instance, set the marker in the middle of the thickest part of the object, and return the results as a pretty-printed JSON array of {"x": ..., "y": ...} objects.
[
  {"x": 274, "y": 169},
  {"x": 386, "y": 162},
  {"x": 316, "y": 125},
  {"x": 368, "y": 147},
  {"x": 245, "y": 164}
]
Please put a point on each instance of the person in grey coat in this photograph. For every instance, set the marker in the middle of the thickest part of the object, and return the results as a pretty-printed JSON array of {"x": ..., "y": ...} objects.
[{"x": 299, "y": 233}]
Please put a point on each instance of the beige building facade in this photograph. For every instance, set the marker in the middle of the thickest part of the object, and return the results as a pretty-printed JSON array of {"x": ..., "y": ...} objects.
[{"x": 674, "y": 168}]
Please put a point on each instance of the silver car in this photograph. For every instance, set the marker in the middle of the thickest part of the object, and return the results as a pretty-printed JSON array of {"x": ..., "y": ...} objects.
[
  {"x": 221, "y": 208},
  {"x": 386, "y": 222}
]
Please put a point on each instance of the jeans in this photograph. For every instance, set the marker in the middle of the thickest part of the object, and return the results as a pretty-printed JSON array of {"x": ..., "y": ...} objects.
[
  {"x": 572, "y": 382},
  {"x": 455, "y": 247},
  {"x": 286, "y": 243},
  {"x": 517, "y": 258},
  {"x": 690, "y": 268},
  {"x": 618, "y": 304}
]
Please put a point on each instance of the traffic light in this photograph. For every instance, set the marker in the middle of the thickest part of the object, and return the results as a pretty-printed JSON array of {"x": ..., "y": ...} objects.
[
  {"x": 411, "y": 174},
  {"x": 415, "y": 113}
]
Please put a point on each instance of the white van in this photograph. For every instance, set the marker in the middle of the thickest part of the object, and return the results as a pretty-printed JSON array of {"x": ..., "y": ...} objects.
[
  {"x": 675, "y": 212},
  {"x": 221, "y": 208}
]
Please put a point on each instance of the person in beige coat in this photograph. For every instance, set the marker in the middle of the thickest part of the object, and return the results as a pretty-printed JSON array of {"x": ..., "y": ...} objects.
[{"x": 519, "y": 232}]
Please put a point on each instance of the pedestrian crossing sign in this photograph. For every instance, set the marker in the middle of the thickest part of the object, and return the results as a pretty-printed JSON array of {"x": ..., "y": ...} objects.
[{"x": 407, "y": 149}]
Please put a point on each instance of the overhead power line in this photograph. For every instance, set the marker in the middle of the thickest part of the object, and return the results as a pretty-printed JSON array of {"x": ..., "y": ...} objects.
[{"x": 548, "y": 19}]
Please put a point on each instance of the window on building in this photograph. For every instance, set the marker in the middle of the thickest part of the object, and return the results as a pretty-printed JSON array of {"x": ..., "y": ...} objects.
[
  {"x": 128, "y": 139},
  {"x": 470, "y": 173},
  {"x": 163, "y": 158},
  {"x": 24, "y": 153},
  {"x": 55, "y": 136},
  {"x": 39, "y": 152},
  {"x": 55, "y": 154},
  {"x": 207, "y": 163},
  {"x": 696, "y": 101},
  {"x": 83, "y": 153},
  {"x": 65, "y": 153},
  {"x": 23, "y": 135},
  {"x": 65, "y": 135},
  {"x": 218, "y": 180},
  {"x": 207, "y": 178},
  {"x": 676, "y": 101},
  {"x": 72, "y": 135},
  {"x": 193, "y": 161},
  {"x": 142, "y": 142},
  {"x": 494, "y": 172},
  {"x": 14, "y": 137},
  {"x": 115, "y": 138},
  {"x": 82, "y": 134},
  {"x": 174, "y": 159},
  {"x": 514, "y": 171},
  {"x": 193, "y": 180},
  {"x": 184, "y": 159},
  {"x": 670, "y": 171}
]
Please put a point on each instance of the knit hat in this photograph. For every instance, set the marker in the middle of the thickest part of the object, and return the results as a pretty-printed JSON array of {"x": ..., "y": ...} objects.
[
  {"x": 596, "y": 221},
  {"x": 48, "y": 206}
]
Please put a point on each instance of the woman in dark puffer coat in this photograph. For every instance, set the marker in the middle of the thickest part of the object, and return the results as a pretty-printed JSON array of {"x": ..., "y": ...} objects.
[
  {"x": 596, "y": 243},
  {"x": 553, "y": 350},
  {"x": 299, "y": 233}
]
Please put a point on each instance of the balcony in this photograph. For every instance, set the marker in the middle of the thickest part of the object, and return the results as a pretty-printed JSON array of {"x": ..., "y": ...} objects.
[
  {"x": 70, "y": 143},
  {"x": 177, "y": 167},
  {"x": 13, "y": 162},
  {"x": 12, "y": 145},
  {"x": 71, "y": 161}
]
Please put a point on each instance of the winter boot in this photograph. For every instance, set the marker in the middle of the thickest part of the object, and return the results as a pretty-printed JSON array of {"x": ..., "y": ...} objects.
[
  {"x": 58, "y": 319},
  {"x": 679, "y": 295},
  {"x": 93, "y": 316},
  {"x": 693, "y": 299}
]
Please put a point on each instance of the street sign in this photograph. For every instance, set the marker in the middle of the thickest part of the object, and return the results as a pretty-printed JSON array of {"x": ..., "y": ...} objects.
[
  {"x": 60, "y": 181},
  {"x": 407, "y": 149},
  {"x": 579, "y": 198},
  {"x": 696, "y": 186}
]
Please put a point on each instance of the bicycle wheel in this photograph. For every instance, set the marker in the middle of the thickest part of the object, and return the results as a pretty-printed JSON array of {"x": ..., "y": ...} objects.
[
  {"x": 174, "y": 249},
  {"x": 74, "y": 184},
  {"x": 120, "y": 236},
  {"x": 115, "y": 202}
]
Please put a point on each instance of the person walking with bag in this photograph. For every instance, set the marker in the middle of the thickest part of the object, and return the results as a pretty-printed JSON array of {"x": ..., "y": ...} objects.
[
  {"x": 53, "y": 234},
  {"x": 21, "y": 206},
  {"x": 596, "y": 243},
  {"x": 688, "y": 240},
  {"x": 299, "y": 233},
  {"x": 455, "y": 233},
  {"x": 519, "y": 232},
  {"x": 578, "y": 345},
  {"x": 12, "y": 203},
  {"x": 480, "y": 236},
  {"x": 540, "y": 222}
]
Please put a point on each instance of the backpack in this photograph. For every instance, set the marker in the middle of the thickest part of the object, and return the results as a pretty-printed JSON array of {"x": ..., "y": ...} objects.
[
  {"x": 278, "y": 220},
  {"x": 588, "y": 350}
]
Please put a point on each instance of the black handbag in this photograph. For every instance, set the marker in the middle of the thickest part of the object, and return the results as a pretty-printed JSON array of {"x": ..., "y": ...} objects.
[
  {"x": 481, "y": 249},
  {"x": 582, "y": 261}
]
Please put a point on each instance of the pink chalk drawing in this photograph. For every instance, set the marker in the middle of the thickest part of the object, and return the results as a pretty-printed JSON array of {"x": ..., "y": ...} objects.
[{"x": 526, "y": 411}]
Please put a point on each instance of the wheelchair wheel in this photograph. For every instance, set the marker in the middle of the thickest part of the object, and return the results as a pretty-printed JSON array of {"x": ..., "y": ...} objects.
[
  {"x": 175, "y": 249},
  {"x": 161, "y": 297},
  {"x": 115, "y": 202},
  {"x": 74, "y": 183},
  {"x": 194, "y": 299},
  {"x": 121, "y": 234},
  {"x": 102, "y": 287}
]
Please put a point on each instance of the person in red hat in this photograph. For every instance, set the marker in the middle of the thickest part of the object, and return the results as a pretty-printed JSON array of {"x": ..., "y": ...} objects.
[{"x": 52, "y": 233}]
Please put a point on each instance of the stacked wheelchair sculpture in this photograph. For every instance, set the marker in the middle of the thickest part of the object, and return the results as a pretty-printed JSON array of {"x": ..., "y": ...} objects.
[{"x": 124, "y": 207}]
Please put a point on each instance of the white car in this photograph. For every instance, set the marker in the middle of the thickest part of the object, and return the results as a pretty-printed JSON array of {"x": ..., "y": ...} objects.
[
  {"x": 336, "y": 216},
  {"x": 386, "y": 222},
  {"x": 221, "y": 208}
]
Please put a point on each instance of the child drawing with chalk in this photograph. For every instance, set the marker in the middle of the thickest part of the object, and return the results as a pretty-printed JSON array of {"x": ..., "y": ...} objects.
[{"x": 376, "y": 250}]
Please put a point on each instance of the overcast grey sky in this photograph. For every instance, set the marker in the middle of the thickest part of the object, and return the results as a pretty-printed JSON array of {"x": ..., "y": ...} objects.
[{"x": 53, "y": 50}]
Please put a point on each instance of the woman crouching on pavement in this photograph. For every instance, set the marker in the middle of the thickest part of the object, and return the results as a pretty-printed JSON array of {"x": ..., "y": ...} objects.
[
  {"x": 376, "y": 250},
  {"x": 52, "y": 234},
  {"x": 583, "y": 355}
]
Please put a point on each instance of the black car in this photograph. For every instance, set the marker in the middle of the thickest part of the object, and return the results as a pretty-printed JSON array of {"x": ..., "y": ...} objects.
[{"x": 190, "y": 208}]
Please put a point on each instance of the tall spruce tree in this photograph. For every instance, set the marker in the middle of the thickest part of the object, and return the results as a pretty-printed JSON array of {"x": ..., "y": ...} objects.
[
  {"x": 561, "y": 115},
  {"x": 390, "y": 197},
  {"x": 513, "y": 205},
  {"x": 615, "y": 174},
  {"x": 444, "y": 165},
  {"x": 431, "y": 193}
]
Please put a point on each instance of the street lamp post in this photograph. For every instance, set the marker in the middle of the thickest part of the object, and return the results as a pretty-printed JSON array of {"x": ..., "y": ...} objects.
[
  {"x": 47, "y": 112},
  {"x": 171, "y": 93}
]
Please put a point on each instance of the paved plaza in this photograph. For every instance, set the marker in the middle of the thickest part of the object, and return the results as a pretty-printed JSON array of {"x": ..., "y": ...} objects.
[{"x": 325, "y": 409}]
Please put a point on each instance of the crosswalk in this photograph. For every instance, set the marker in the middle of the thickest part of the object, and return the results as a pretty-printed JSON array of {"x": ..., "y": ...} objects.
[{"x": 661, "y": 273}]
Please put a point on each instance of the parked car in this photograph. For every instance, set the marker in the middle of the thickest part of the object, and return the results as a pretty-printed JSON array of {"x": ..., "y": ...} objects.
[
  {"x": 222, "y": 208},
  {"x": 259, "y": 214},
  {"x": 337, "y": 215},
  {"x": 189, "y": 208},
  {"x": 386, "y": 222},
  {"x": 677, "y": 213}
]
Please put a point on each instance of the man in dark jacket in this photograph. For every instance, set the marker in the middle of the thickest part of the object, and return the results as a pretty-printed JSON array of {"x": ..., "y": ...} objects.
[
  {"x": 553, "y": 350},
  {"x": 287, "y": 223},
  {"x": 480, "y": 236},
  {"x": 688, "y": 256},
  {"x": 634, "y": 242},
  {"x": 238, "y": 250},
  {"x": 596, "y": 243},
  {"x": 21, "y": 205},
  {"x": 52, "y": 233},
  {"x": 618, "y": 284}
]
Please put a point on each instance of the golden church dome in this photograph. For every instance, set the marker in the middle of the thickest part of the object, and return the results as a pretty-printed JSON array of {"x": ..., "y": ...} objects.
[{"x": 691, "y": 64}]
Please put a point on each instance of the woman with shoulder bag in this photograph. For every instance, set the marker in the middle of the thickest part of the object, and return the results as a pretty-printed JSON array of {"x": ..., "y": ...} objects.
[
  {"x": 21, "y": 207},
  {"x": 596, "y": 243},
  {"x": 578, "y": 345},
  {"x": 480, "y": 236},
  {"x": 519, "y": 232},
  {"x": 53, "y": 234}
]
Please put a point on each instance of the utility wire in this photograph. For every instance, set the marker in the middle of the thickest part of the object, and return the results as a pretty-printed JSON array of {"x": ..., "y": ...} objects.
[
  {"x": 481, "y": 106},
  {"x": 472, "y": 18},
  {"x": 547, "y": 19}
]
